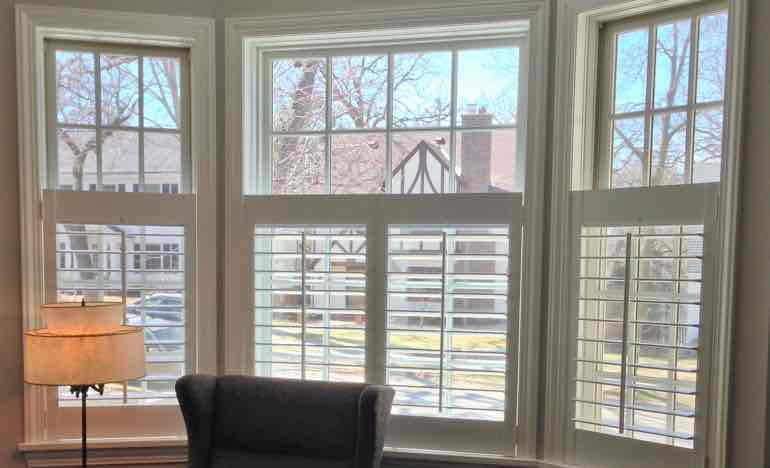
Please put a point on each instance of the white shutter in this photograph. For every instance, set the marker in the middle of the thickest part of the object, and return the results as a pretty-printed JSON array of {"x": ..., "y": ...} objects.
[{"x": 641, "y": 325}]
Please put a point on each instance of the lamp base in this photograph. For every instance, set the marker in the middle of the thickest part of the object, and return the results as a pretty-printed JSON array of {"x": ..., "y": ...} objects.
[{"x": 81, "y": 391}]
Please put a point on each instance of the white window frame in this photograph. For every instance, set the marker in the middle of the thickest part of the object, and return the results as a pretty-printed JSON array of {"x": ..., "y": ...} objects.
[
  {"x": 670, "y": 205},
  {"x": 35, "y": 25},
  {"x": 244, "y": 39},
  {"x": 607, "y": 83},
  {"x": 261, "y": 182},
  {"x": 578, "y": 23}
]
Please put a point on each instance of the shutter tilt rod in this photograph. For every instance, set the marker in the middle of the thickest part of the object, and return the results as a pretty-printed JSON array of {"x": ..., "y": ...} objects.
[
  {"x": 443, "y": 315},
  {"x": 624, "y": 337},
  {"x": 302, "y": 298}
]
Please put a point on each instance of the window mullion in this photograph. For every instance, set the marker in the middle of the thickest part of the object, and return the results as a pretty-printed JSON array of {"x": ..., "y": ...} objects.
[
  {"x": 141, "y": 124},
  {"x": 650, "y": 105},
  {"x": 329, "y": 124},
  {"x": 389, "y": 126},
  {"x": 98, "y": 117},
  {"x": 691, "y": 97},
  {"x": 453, "y": 126}
]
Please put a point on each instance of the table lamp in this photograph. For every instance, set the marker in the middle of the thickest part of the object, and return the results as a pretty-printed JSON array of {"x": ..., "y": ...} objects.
[{"x": 84, "y": 346}]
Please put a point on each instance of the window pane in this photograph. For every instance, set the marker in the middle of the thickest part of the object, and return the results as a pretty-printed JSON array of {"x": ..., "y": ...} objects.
[
  {"x": 631, "y": 71},
  {"x": 672, "y": 64},
  {"x": 120, "y": 90},
  {"x": 310, "y": 315},
  {"x": 712, "y": 57},
  {"x": 487, "y": 161},
  {"x": 488, "y": 79},
  {"x": 120, "y": 160},
  {"x": 76, "y": 162},
  {"x": 422, "y": 88},
  {"x": 447, "y": 290},
  {"x": 669, "y": 148},
  {"x": 299, "y": 93},
  {"x": 707, "y": 151},
  {"x": 75, "y": 87},
  {"x": 162, "y": 99},
  {"x": 662, "y": 333},
  {"x": 359, "y": 90},
  {"x": 358, "y": 163},
  {"x": 421, "y": 162},
  {"x": 162, "y": 161},
  {"x": 299, "y": 165},
  {"x": 90, "y": 266},
  {"x": 628, "y": 156}
]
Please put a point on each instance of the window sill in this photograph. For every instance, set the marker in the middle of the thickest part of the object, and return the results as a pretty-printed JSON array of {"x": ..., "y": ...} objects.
[{"x": 173, "y": 451}]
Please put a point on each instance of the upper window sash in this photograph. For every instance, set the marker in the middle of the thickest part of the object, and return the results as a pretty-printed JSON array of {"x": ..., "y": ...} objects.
[
  {"x": 661, "y": 98},
  {"x": 117, "y": 117},
  {"x": 375, "y": 136}
]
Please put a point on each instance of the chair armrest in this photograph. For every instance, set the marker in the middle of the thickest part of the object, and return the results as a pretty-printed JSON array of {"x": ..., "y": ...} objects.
[
  {"x": 196, "y": 400},
  {"x": 373, "y": 412}
]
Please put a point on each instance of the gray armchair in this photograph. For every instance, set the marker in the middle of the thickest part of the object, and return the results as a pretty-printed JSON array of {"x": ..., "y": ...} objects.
[{"x": 253, "y": 422}]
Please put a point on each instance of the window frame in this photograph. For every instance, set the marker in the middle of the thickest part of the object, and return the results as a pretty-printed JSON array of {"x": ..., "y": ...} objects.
[
  {"x": 578, "y": 26},
  {"x": 264, "y": 152},
  {"x": 36, "y": 24},
  {"x": 246, "y": 37},
  {"x": 141, "y": 52},
  {"x": 606, "y": 84}
]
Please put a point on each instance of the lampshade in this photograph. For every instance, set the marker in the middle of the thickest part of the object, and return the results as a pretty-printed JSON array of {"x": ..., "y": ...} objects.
[{"x": 83, "y": 344}]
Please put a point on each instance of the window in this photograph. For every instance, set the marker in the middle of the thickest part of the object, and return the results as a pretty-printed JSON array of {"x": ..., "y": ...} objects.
[
  {"x": 117, "y": 125},
  {"x": 399, "y": 120},
  {"x": 447, "y": 311},
  {"x": 154, "y": 300},
  {"x": 310, "y": 303},
  {"x": 662, "y": 99},
  {"x": 117, "y": 119}
]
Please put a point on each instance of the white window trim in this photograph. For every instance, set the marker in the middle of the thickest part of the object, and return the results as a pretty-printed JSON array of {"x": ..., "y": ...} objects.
[
  {"x": 35, "y": 24},
  {"x": 577, "y": 24},
  {"x": 241, "y": 37}
]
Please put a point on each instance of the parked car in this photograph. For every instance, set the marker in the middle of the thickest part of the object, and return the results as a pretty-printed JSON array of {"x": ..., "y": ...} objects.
[{"x": 159, "y": 306}]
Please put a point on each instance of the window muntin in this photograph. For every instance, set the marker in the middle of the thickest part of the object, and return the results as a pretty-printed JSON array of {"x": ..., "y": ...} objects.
[
  {"x": 447, "y": 320},
  {"x": 638, "y": 331},
  {"x": 350, "y": 132},
  {"x": 91, "y": 267},
  {"x": 661, "y": 111},
  {"x": 117, "y": 118},
  {"x": 310, "y": 302}
]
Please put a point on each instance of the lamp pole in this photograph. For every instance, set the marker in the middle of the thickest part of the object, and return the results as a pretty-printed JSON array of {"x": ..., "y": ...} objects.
[{"x": 81, "y": 391}]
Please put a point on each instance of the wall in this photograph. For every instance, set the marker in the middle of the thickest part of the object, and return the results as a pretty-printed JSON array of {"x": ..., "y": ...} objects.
[{"x": 749, "y": 408}]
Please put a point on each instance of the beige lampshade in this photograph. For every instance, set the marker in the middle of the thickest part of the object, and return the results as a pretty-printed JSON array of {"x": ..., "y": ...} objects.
[{"x": 83, "y": 345}]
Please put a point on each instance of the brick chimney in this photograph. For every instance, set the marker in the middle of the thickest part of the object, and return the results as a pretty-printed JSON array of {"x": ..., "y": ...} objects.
[{"x": 476, "y": 150}]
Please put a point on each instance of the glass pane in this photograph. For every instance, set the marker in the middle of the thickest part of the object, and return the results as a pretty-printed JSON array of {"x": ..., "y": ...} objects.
[
  {"x": 672, "y": 64},
  {"x": 299, "y": 94},
  {"x": 707, "y": 151},
  {"x": 631, "y": 71},
  {"x": 628, "y": 156},
  {"x": 712, "y": 57},
  {"x": 120, "y": 90},
  {"x": 75, "y": 87},
  {"x": 669, "y": 148},
  {"x": 299, "y": 165},
  {"x": 487, "y": 83},
  {"x": 420, "y": 162},
  {"x": 422, "y": 84},
  {"x": 487, "y": 161},
  {"x": 162, "y": 162},
  {"x": 359, "y": 91},
  {"x": 76, "y": 160},
  {"x": 89, "y": 264},
  {"x": 162, "y": 89},
  {"x": 358, "y": 163},
  {"x": 120, "y": 161}
]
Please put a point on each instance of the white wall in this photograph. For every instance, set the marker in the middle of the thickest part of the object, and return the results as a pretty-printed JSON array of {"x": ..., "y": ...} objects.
[{"x": 749, "y": 409}]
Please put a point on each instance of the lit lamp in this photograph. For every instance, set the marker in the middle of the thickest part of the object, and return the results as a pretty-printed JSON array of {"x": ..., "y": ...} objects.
[{"x": 84, "y": 346}]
